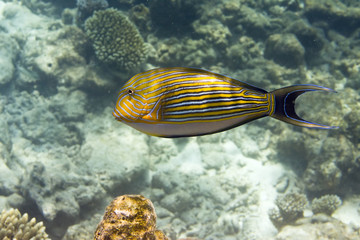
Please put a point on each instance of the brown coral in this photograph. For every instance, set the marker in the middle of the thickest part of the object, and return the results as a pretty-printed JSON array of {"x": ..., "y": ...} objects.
[
  {"x": 115, "y": 39},
  {"x": 129, "y": 217}
]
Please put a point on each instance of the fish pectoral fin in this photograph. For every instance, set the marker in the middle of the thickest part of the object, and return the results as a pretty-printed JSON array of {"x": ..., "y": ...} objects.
[
  {"x": 151, "y": 117},
  {"x": 155, "y": 113}
]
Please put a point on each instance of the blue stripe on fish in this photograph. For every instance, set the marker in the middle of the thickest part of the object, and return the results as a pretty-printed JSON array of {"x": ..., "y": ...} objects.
[{"x": 183, "y": 102}]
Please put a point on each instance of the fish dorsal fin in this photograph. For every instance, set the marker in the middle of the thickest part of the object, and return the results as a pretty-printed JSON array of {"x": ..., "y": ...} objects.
[
  {"x": 225, "y": 78},
  {"x": 248, "y": 86}
]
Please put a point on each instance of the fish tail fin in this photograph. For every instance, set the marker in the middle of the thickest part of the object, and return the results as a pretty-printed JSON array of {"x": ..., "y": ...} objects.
[{"x": 285, "y": 105}]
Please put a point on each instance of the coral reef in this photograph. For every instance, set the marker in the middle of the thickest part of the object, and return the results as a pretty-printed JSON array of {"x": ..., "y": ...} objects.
[
  {"x": 352, "y": 121},
  {"x": 39, "y": 6},
  {"x": 255, "y": 24},
  {"x": 68, "y": 16},
  {"x": 87, "y": 7},
  {"x": 242, "y": 52},
  {"x": 173, "y": 16},
  {"x": 187, "y": 51},
  {"x": 129, "y": 217},
  {"x": 57, "y": 58},
  {"x": 13, "y": 225},
  {"x": 285, "y": 49},
  {"x": 336, "y": 13},
  {"x": 326, "y": 204},
  {"x": 140, "y": 15},
  {"x": 290, "y": 208},
  {"x": 332, "y": 167},
  {"x": 309, "y": 37},
  {"x": 91, "y": 5},
  {"x": 85, "y": 229},
  {"x": 327, "y": 162},
  {"x": 115, "y": 39},
  {"x": 69, "y": 194},
  {"x": 8, "y": 50},
  {"x": 214, "y": 32},
  {"x": 32, "y": 124},
  {"x": 46, "y": 7},
  {"x": 63, "y": 157},
  {"x": 224, "y": 200},
  {"x": 318, "y": 227}
]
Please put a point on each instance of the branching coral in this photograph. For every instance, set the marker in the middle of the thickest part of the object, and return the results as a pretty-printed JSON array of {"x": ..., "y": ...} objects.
[
  {"x": 115, "y": 39},
  {"x": 15, "y": 226},
  {"x": 326, "y": 204},
  {"x": 290, "y": 207}
]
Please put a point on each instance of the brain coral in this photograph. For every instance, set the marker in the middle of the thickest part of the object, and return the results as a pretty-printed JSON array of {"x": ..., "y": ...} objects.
[
  {"x": 15, "y": 226},
  {"x": 115, "y": 39},
  {"x": 129, "y": 217}
]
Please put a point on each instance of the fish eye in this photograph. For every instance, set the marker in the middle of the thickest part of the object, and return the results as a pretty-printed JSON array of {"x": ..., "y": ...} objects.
[{"x": 130, "y": 91}]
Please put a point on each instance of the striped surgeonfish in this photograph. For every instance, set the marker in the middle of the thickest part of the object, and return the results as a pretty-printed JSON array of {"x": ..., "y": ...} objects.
[{"x": 184, "y": 102}]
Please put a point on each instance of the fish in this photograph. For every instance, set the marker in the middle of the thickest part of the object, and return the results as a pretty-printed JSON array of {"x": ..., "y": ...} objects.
[{"x": 186, "y": 102}]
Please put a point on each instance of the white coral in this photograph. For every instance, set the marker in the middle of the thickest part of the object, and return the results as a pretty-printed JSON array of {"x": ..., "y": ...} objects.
[{"x": 13, "y": 225}]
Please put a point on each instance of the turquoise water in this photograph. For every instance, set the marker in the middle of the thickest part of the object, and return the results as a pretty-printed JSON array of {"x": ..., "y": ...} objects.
[{"x": 63, "y": 157}]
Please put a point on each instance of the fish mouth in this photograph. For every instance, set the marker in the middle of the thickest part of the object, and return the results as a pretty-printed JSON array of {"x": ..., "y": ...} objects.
[{"x": 122, "y": 119}]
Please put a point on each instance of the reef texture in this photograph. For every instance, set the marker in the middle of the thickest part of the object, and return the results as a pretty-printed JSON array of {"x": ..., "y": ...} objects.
[
  {"x": 337, "y": 13},
  {"x": 173, "y": 16},
  {"x": 318, "y": 227},
  {"x": 115, "y": 39},
  {"x": 63, "y": 157},
  {"x": 70, "y": 191},
  {"x": 13, "y": 225},
  {"x": 86, "y": 8},
  {"x": 291, "y": 207},
  {"x": 285, "y": 49},
  {"x": 9, "y": 49},
  {"x": 129, "y": 217},
  {"x": 53, "y": 8},
  {"x": 326, "y": 204}
]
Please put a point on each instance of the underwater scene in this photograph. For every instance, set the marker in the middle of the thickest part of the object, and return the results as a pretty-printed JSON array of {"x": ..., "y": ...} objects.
[{"x": 180, "y": 119}]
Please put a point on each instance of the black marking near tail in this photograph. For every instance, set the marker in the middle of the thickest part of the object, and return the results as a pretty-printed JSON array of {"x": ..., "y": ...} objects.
[{"x": 285, "y": 105}]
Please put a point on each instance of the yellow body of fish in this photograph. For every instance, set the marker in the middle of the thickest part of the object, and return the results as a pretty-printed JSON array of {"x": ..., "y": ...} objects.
[{"x": 184, "y": 102}]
